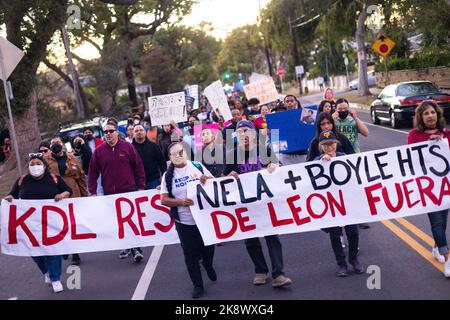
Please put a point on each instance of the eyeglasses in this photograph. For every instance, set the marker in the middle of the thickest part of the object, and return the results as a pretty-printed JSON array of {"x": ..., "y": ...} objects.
[
  {"x": 109, "y": 131},
  {"x": 35, "y": 155}
]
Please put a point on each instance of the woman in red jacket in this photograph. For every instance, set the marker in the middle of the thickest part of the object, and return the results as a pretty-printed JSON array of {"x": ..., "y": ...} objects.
[{"x": 429, "y": 124}]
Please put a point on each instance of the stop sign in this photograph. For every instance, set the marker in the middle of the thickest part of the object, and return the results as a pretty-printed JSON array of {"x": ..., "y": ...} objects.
[{"x": 281, "y": 72}]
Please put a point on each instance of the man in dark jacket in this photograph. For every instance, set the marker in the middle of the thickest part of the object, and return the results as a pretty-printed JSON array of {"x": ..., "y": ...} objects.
[
  {"x": 152, "y": 158},
  {"x": 122, "y": 171}
]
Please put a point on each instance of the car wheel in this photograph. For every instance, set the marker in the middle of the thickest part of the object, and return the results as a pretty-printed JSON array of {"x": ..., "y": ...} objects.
[
  {"x": 375, "y": 120},
  {"x": 395, "y": 123}
]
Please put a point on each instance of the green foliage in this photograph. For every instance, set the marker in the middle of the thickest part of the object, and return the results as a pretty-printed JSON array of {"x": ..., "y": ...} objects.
[{"x": 419, "y": 61}]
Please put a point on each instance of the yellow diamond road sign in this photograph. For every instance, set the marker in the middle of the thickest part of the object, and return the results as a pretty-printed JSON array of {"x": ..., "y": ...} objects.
[{"x": 383, "y": 46}]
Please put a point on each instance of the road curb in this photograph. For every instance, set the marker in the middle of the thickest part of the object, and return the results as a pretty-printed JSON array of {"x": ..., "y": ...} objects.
[{"x": 360, "y": 106}]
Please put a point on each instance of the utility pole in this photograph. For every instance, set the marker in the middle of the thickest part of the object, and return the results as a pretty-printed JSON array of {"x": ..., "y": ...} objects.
[
  {"x": 295, "y": 53},
  {"x": 76, "y": 88}
]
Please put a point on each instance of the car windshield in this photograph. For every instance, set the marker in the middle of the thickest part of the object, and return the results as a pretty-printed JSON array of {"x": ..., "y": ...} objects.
[
  {"x": 68, "y": 135},
  {"x": 412, "y": 89}
]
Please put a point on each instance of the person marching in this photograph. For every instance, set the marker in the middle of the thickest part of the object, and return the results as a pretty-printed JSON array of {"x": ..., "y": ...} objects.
[
  {"x": 174, "y": 195},
  {"x": 429, "y": 124},
  {"x": 40, "y": 184},
  {"x": 328, "y": 146}
]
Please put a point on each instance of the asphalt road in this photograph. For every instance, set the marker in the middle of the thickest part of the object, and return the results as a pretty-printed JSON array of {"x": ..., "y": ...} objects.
[{"x": 400, "y": 249}]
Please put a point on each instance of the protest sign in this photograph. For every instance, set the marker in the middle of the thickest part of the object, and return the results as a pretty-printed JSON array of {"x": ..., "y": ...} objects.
[
  {"x": 166, "y": 108},
  {"x": 213, "y": 130},
  {"x": 216, "y": 97},
  {"x": 295, "y": 130},
  {"x": 264, "y": 90},
  {"x": 366, "y": 187},
  {"x": 114, "y": 222},
  {"x": 192, "y": 91}
]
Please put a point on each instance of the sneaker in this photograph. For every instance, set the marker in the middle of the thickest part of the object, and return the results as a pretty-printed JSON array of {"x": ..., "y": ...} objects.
[
  {"x": 124, "y": 254},
  {"x": 343, "y": 271},
  {"x": 57, "y": 286},
  {"x": 447, "y": 268},
  {"x": 212, "y": 275},
  {"x": 357, "y": 267},
  {"x": 47, "y": 278},
  {"x": 437, "y": 255},
  {"x": 76, "y": 260},
  {"x": 281, "y": 281},
  {"x": 260, "y": 279},
  {"x": 137, "y": 255},
  {"x": 197, "y": 292}
]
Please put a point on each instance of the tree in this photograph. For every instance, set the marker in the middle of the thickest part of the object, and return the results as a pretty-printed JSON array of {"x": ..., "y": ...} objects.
[{"x": 30, "y": 25}]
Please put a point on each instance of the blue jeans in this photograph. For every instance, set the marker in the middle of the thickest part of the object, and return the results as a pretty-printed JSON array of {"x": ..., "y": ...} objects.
[
  {"x": 438, "y": 221},
  {"x": 152, "y": 184},
  {"x": 254, "y": 249},
  {"x": 50, "y": 264}
]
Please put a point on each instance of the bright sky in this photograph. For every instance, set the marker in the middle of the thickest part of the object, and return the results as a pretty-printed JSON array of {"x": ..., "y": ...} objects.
[{"x": 225, "y": 15}]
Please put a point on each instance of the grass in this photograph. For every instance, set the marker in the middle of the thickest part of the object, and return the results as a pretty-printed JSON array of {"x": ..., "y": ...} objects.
[{"x": 352, "y": 96}]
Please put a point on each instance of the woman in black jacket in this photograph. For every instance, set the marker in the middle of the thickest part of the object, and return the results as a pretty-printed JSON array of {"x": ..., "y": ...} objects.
[{"x": 325, "y": 122}]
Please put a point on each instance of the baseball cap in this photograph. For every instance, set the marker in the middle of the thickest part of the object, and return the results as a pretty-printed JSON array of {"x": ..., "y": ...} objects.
[
  {"x": 327, "y": 136},
  {"x": 245, "y": 123}
]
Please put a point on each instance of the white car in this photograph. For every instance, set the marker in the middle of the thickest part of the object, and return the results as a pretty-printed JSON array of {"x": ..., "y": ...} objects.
[{"x": 371, "y": 79}]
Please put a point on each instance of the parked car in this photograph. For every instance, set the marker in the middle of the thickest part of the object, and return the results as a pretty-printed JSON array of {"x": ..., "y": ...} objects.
[
  {"x": 397, "y": 102},
  {"x": 371, "y": 80}
]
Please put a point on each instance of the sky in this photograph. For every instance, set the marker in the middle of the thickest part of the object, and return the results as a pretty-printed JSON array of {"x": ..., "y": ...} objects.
[{"x": 225, "y": 15}]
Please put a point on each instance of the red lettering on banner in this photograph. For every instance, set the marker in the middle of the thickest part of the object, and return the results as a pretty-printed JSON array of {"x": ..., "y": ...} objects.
[
  {"x": 388, "y": 202},
  {"x": 15, "y": 222},
  {"x": 274, "y": 219},
  {"x": 407, "y": 193},
  {"x": 122, "y": 220},
  {"x": 373, "y": 199},
  {"x": 218, "y": 231},
  {"x": 296, "y": 210},
  {"x": 243, "y": 219},
  {"x": 428, "y": 190},
  {"x": 334, "y": 204},
  {"x": 159, "y": 226},
  {"x": 310, "y": 209},
  {"x": 445, "y": 190},
  {"x": 142, "y": 215},
  {"x": 49, "y": 241},
  {"x": 73, "y": 226}
]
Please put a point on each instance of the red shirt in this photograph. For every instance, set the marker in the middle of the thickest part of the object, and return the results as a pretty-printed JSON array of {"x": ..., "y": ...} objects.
[{"x": 415, "y": 136}]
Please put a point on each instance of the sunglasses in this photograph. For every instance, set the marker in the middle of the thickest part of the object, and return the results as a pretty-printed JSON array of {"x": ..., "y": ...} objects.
[
  {"x": 43, "y": 150},
  {"x": 35, "y": 155},
  {"x": 109, "y": 131}
]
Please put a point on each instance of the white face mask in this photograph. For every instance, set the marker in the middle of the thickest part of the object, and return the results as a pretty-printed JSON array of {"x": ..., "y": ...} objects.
[{"x": 37, "y": 171}]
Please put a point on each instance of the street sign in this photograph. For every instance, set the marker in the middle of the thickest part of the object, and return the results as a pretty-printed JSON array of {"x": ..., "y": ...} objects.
[
  {"x": 299, "y": 70},
  {"x": 346, "y": 61},
  {"x": 11, "y": 57},
  {"x": 281, "y": 72},
  {"x": 383, "y": 46}
]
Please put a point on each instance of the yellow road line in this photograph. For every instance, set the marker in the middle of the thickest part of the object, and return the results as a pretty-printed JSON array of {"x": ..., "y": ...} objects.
[
  {"x": 426, "y": 254},
  {"x": 422, "y": 235}
]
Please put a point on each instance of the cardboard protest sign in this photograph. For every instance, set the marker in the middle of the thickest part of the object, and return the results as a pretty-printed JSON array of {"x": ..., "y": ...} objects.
[
  {"x": 166, "y": 108},
  {"x": 294, "y": 129},
  {"x": 366, "y": 187},
  {"x": 213, "y": 129},
  {"x": 264, "y": 90},
  {"x": 192, "y": 91},
  {"x": 216, "y": 97}
]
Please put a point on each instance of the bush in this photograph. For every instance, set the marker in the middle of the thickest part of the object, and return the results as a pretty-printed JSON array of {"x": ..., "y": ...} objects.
[{"x": 420, "y": 61}]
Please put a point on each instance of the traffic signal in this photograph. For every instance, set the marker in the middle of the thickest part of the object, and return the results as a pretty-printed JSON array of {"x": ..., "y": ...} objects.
[{"x": 227, "y": 76}]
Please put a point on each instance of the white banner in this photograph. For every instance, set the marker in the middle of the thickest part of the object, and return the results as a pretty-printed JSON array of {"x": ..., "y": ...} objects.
[
  {"x": 366, "y": 187},
  {"x": 216, "y": 97},
  {"x": 264, "y": 90},
  {"x": 114, "y": 222},
  {"x": 166, "y": 108},
  {"x": 192, "y": 91}
]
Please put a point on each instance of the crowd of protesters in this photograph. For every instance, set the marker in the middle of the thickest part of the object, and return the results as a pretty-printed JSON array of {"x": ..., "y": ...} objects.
[{"x": 150, "y": 157}]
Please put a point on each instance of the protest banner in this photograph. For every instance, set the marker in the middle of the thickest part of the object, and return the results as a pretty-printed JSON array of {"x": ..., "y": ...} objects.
[
  {"x": 192, "y": 91},
  {"x": 214, "y": 129},
  {"x": 166, "y": 108},
  {"x": 367, "y": 187},
  {"x": 264, "y": 90},
  {"x": 216, "y": 97},
  {"x": 295, "y": 130},
  {"x": 114, "y": 222}
]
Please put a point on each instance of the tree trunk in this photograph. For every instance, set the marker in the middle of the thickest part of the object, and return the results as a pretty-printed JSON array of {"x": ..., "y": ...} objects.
[
  {"x": 363, "y": 86},
  {"x": 131, "y": 84}
]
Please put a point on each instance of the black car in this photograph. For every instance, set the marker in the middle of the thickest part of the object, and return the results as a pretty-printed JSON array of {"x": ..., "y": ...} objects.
[{"x": 397, "y": 102}]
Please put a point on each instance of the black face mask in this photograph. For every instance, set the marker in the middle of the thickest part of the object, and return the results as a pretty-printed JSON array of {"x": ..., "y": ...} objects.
[
  {"x": 56, "y": 148},
  {"x": 343, "y": 114},
  {"x": 88, "y": 137}
]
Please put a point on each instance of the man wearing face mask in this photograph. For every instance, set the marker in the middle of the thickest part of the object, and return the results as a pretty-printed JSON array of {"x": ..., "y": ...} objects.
[
  {"x": 91, "y": 140},
  {"x": 348, "y": 123},
  {"x": 66, "y": 165},
  {"x": 121, "y": 169}
]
